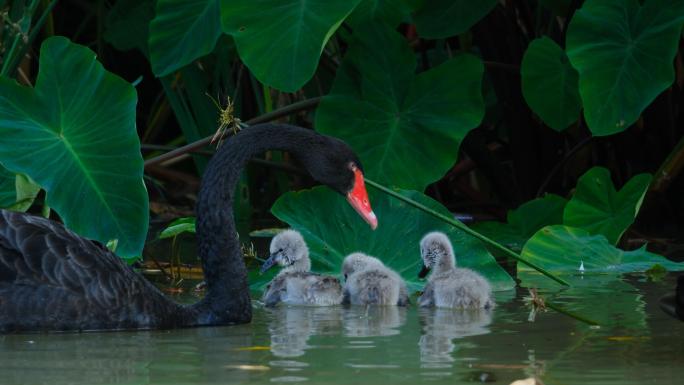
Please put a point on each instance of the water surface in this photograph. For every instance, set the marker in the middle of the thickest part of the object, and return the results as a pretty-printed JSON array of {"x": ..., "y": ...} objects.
[{"x": 637, "y": 344}]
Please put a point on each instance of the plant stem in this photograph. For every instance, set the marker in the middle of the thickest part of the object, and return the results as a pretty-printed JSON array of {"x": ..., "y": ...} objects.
[
  {"x": 287, "y": 110},
  {"x": 467, "y": 230},
  {"x": 570, "y": 314}
]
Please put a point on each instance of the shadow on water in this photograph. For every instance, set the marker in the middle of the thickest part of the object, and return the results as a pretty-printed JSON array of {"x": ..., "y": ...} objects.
[{"x": 369, "y": 345}]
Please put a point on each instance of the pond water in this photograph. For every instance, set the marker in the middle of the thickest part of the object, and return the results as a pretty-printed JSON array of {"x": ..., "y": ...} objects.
[{"x": 637, "y": 344}]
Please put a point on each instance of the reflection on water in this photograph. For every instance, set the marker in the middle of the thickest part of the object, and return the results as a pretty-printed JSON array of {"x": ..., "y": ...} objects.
[
  {"x": 336, "y": 345},
  {"x": 373, "y": 321},
  {"x": 440, "y": 327},
  {"x": 291, "y": 326}
]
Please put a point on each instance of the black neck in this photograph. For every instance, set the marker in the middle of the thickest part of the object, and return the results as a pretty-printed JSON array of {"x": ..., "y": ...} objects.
[{"x": 228, "y": 299}]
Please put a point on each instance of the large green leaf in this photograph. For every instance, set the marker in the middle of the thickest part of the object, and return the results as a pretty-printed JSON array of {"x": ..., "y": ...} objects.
[
  {"x": 599, "y": 209},
  {"x": 391, "y": 12},
  {"x": 74, "y": 134},
  {"x": 280, "y": 41},
  {"x": 550, "y": 84},
  {"x": 333, "y": 230},
  {"x": 8, "y": 191},
  {"x": 562, "y": 250},
  {"x": 443, "y": 18},
  {"x": 405, "y": 127},
  {"x": 624, "y": 54},
  {"x": 181, "y": 32},
  {"x": 524, "y": 221}
]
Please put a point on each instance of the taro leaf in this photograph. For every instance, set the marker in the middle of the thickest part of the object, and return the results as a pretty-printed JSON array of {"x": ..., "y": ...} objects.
[
  {"x": 562, "y": 250},
  {"x": 8, "y": 191},
  {"x": 599, "y": 209},
  {"x": 437, "y": 19},
  {"x": 524, "y": 221},
  {"x": 74, "y": 134},
  {"x": 127, "y": 24},
  {"x": 281, "y": 41},
  {"x": 392, "y": 12},
  {"x": 405, "y": 127},
  {"x": 333, "y": 230},
  {"x": 624, "y": 55},
  {"x": 549, "y": 84},
  {"x": 181, "y": 32},
  {"x": 179, "y": 226}
]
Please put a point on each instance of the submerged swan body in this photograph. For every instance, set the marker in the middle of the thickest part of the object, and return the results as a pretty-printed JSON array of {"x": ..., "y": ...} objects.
[
  {"x": 295, "y": 284},
  {"x": 449, "y": 286},
  {"x": 673, "y": 304},
  {"x": 369, "y": 282},
  {"x": 52, "y": 279}
]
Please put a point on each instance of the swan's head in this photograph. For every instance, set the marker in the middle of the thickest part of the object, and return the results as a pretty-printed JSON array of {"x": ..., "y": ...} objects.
[
  {"x": 331, "y": 162},
  {"x": 357, "y": 262},
  {"x": 288, "y": 249},
  {"x": 436, "y": 251}
]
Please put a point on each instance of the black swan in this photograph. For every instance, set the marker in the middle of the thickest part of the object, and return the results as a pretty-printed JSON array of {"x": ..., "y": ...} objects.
[
  {"x": 52, "y": 279},
  {"x": 673, "y": 304}
]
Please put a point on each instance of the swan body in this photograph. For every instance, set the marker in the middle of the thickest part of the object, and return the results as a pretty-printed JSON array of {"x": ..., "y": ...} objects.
[
  {"x": 369, "y": 282},
  {"x": 53, "y": 279},
  {"x": 295, "y": 284},
  {"x": 673, "y": 304},
  {"x": 449, "y": 286}
]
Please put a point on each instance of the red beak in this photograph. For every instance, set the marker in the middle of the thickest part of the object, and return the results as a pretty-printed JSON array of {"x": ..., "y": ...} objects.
[{"x": 358, "y": 199}]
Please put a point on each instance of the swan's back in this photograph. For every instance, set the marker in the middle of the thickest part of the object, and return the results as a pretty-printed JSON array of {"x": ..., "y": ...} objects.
[
  {"x": 52, "y": 279},
  {"x": 303, "y": 288}
]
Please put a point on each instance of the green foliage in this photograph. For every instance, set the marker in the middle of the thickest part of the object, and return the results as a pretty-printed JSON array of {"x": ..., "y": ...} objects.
[
  {"x": 563, "y": 249},
  {"x": 598, "y": 208},
  {"x": 127, "y": 24},
  {"x": 181, "y": 32},
  {"x": 524, "y": 221},
  {"x": 623, "y": 52},
  {"x": 179, "y": 226},
  {"x": 74, "y": 134},
  {"x": 549, "y": 84},
  {"x": 281, "y": 40},
  {"x": 333, "y": 230},
  {"x": 405, "y": 127},
  {"x": 390, "y": 12},
  {"x": 443, "y": 18}
]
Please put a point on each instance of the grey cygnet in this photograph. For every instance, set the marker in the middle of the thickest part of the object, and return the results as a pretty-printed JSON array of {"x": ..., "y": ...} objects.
[
  {"x": 369, "y": 282},
  {"x": 449, "y": 286},
  {"x": 295, "y": 284}
]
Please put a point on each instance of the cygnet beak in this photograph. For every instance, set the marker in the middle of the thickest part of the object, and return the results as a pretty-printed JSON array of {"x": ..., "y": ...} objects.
[
  {"x": 423, "y": 272},
  {"x": 270, "y": 262}
]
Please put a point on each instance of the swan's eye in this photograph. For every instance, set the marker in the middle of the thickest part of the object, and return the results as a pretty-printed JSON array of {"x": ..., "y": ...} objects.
[{"x": 345, "y": 277}]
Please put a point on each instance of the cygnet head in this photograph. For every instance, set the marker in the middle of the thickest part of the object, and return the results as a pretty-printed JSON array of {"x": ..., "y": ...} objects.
[
  {"x": 436, "y": 252},
  {"x": 359, "y": 261},
  {"x": 288, "y": 249}
]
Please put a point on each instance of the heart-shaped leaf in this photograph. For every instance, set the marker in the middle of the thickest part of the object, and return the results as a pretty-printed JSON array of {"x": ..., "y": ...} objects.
[
  {"x": 524, "y": 221},
  {"x": 333, "y": 230},
  {"x": 572, "y": 253},
  {"x": 437, "y": 19},
  {"x": 599, "y": 209},
  {"x": 74, "y": 134},
  {"x": 8, "y": 190},
  {"x": 281, "y": 41},
  {"x": 550, "y": 84},
  {"x": 392, "y": 117},
  {"x": 181, "y": 32},
  {"x": 624, "y": 54}
]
